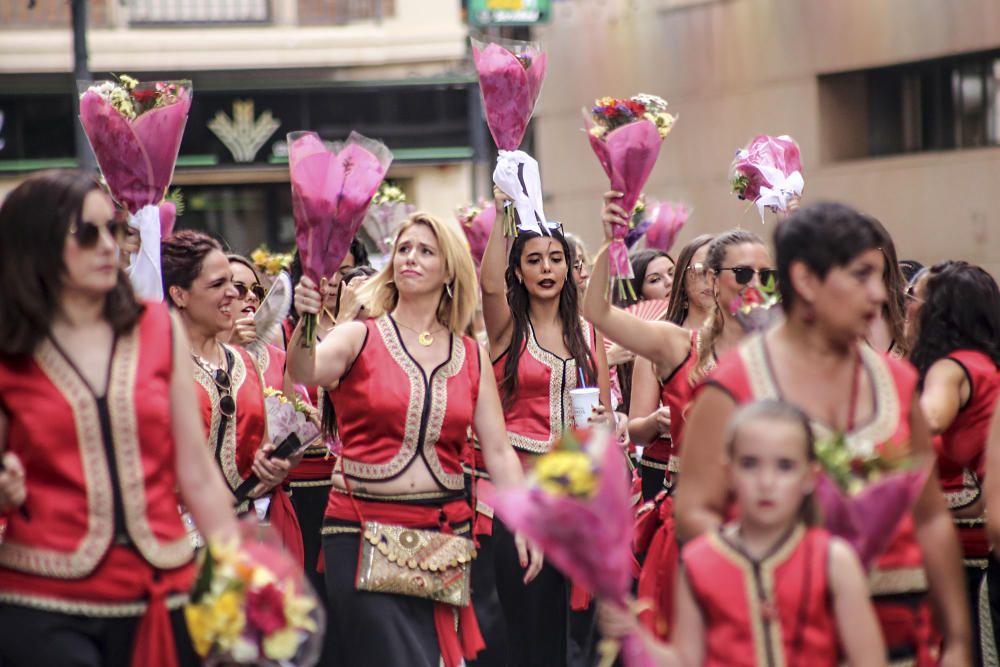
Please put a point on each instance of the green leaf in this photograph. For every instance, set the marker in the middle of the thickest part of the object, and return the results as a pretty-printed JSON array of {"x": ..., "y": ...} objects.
[{"x": 203, "y": 582}]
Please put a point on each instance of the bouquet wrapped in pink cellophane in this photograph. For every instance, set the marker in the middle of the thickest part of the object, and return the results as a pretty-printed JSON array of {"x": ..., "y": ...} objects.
[
  {"x": 388, "y": 208},
  {"x": 660, "y": 223},
  {"x": 578, "y": 508},
  {"x": 331, "y": 192},
  {"x": 626, "y": 135},
  {"x": 768, "y": 172},
  {"x": 477, "y": 222},
  {"x": 511, "y": 73},
  {"x": 135, "y": 131},
  {"x": 864, "y": 495}
]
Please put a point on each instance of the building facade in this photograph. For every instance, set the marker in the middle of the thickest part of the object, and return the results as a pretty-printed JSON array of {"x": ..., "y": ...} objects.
[{"x": 894, "y": 103}]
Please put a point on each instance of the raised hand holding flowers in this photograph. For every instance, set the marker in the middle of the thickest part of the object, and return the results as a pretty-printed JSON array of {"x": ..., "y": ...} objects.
[
  {"x": 477, "y": 221},
  {"x": 768, "y": 172}
]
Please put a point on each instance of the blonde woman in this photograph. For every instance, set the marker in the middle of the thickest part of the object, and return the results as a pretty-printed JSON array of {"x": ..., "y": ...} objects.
[{"x": 406, "y": 387}]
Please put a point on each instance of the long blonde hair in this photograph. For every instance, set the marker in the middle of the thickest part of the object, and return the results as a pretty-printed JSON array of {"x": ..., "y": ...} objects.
[{"x": 459, "y": 296}]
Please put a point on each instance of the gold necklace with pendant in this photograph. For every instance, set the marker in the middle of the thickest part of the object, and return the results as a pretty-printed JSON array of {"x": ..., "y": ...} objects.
[{"x": 425, "y": 337}]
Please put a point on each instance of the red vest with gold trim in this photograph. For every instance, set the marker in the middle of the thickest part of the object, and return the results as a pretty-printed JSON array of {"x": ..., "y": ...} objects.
[
  {"x": 542, "y": 409},
  {"x": 270, "y": 361},
  {"x": 55, "y": 429},
  {"x": 389, "y": 413},
  {"x": 744, "y": 374},
  {"x": 677, "y": 392},
  {"x": 766, "y": 613},
  {"x": 241, "y": 439}
]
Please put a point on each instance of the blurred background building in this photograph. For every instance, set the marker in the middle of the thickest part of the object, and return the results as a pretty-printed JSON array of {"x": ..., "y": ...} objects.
[{"x": 894, "y": 103}]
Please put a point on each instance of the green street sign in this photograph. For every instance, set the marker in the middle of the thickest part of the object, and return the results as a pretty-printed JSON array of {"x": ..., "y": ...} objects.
[{"x": 485, "y": 13}]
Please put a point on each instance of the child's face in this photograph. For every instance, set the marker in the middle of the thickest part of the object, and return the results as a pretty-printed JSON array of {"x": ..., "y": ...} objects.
[{"x": 770, "y": 473}]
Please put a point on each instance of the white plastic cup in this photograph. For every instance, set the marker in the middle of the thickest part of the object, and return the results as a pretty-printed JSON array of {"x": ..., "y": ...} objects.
[{"x": 584, "y": 399}]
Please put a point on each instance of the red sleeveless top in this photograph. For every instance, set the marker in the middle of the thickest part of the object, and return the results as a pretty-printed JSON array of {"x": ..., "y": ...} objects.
[
  {"x": 677, "y": 392},
  {"x": 270, "y": 361},
  {"x": 542, "y": 409},
  {"x": 100, "y": 476},
  {"x": 389, "y": 413},
  {"x": 244, "y": 435},
  {"x": 962, "y": 455},
  {"x": 765, "y": 613},
  {"x": 746, "y": 375}
]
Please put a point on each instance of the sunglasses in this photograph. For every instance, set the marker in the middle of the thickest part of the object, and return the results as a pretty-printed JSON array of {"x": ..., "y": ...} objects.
[
  {"x": 87, "y": 233},
  {"x": 227, "y": 404},
  {"x": 744, "y": 274},
  {"x": 256, "y": 289}
]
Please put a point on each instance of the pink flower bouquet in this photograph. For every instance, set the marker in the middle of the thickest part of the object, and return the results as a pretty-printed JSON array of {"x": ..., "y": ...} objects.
[
  {"x": 768, "y": 172},
  {"x": 135, "y": 131},
  {"x": 389, "y": 207},
  {"x": 864, "y": 496},
  {"x": 477, "y": 222},
  {"x": 578, "y": 508},
  {"x": 331, "y": 191},
  {"x": 511, "y": 73},
  {"x": 626, "y": 135},
  {"x": 657, "y": 222}
]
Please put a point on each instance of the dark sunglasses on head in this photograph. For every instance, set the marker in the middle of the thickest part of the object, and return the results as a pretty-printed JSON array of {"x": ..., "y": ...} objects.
[
  {"x": 227, "y": 404},
  {"x": 744, "y": 274},
  {"x": 257, "y": 289},
  {"x": 87, "y": 233}
]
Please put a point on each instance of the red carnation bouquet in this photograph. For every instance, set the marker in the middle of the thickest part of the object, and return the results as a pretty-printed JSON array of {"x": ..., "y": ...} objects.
[
  {"x": 332, "y": 188},
  {"x": 135, "y": 131},
  {"x": 577, "y": 507},
  {"x": 477, "y": 222},
  {"x": 768, "y": 172},
  {"x": 511, "y": 73},
  {"x": 626, "y": 135}
]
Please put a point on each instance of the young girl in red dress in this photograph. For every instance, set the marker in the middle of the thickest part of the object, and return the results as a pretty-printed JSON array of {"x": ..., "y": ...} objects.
[{"x": 769, "y": 588}]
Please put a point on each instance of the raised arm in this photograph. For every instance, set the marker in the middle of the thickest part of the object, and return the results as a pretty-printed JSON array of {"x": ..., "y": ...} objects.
[
  {"x": 202, "y": 488},
  {"x": 496, "y": 311},
  {"x": 324, "y": 364},
  {"x": 945, "y": 387},
  {"x": 663, "y": 343},
  {"x": 857, "y": 625},
  {"x": 646, "y": 419}
]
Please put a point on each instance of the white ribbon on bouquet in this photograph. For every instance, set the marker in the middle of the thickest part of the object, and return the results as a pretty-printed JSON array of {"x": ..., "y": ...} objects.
[
  {"x": 785, "y": 187},
  {"x": 144, "y": 266},
  {"x": 517, "y": 175}
]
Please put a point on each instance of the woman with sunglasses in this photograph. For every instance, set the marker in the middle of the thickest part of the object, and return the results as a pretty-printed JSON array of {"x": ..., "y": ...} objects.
[
  {"x": 541, "y": 349},
  {"x": 649, "y": 419},
  {"x": 957, "y": 353},
  {"x": 830, "y": 268},
  {"x": 407, "y": 386},
  {"x": 101, "y": 441},
  {"x": 198, "y": 281},
  {"x": 270, "y": 360}
]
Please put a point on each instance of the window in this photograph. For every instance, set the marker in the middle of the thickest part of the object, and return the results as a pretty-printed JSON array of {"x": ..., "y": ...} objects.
[
  {"x": 339, "y": 12},
  {"x": 198, "y": 11},
  {"x": 940, "y": 104},
  {"x": 49, "y": 14}
]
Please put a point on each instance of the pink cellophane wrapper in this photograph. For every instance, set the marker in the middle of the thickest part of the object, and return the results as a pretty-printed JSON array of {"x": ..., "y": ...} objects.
[
  {"x": 477, "y": 232},
  {"x": 168, "y": 216},
  {"x": 382, "y": 220},
  {"x": 331, "y": 191},
  {"x": 763, "y": 159},
  {"x": 667, "y": 220},
  {"x": 628, "y": 155},
  {"x": 587, "y": 540},
  {"x": 868, "y": 520},
  {"x": 510, "y": 90},
  {"x": 136, "y": 157}
]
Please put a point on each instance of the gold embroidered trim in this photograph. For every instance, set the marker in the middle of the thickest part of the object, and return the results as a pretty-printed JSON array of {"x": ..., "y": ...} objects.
[
  {"x": 968, "y": 495},
  {"x": 97, "y": 478},
  {"x": 976, "y": 522},
  {"x": 228, "y": 451},
  {"x": 91, "y": 609},
  {"x": 897, "y": 581},
  {"x": 906, "y": 662},
  {"x": 674, "y": 464},
  {"x": 340, "y": 530},
  {"x": 978, "y": 563},
  {"x": 128, "y": 454},
  {"x": 260, "y": 356},
  {"x": 484, "y": 509},
  {"x": 419, "y": 496},
  {"x": 653, "y": 465},
  {"x": 310, "y": 483},
  {"x": 987, "y": 638},
  {"x": 884, "y": 423},
  {"x": 438, "y": 411}
]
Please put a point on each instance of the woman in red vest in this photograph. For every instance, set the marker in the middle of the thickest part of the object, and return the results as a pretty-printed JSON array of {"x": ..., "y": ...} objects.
[
  {"x": 101, "y": 432},
  {"x": 830, "y": 270},
  {"x": 957, "y": 352},
  {"x": 269, "y": 359},
  {"x": 406, "y": 387},
  {"x": 198, "y": 281}
]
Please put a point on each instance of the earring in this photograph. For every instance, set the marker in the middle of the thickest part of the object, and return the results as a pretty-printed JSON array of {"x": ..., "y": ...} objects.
[{"x": 447, "y": 288}]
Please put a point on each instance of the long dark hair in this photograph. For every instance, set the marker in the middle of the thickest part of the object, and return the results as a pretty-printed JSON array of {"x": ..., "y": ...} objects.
[
  {"x": 894, "y": 308},
  {"x": 677, "y": 311},
  {"x": 569, "y": 315},
  {"x": 640, "y": 260},
  {"x": 35, "y": 220},
  {"x": 182, "y": 255},
  {"x": 961, "y": 311}
]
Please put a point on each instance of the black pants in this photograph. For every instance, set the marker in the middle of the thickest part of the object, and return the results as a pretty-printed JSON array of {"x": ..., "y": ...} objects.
[
  {"x": 309, "y": 503},
  {"x": 34, "y": 638},
  {"x": 486, "y": 603},
  {"x": 652, "y": 480},
  {"x": 536, "y": 614}
]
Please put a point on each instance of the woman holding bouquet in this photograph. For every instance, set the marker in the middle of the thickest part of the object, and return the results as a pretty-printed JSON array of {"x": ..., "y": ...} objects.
[
  {"x": 198, "y": 281},
  {"x": 407, "y": 386},
  {"x": 102, "y": 441},
  {"x": 957, "y": 353},
  {"x": 541, "y": 349},
  {"x": 270, "y": 360},
  {"x": 830, "y": 270}
]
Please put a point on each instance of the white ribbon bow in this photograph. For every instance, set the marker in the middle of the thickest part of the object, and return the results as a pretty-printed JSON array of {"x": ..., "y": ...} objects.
[
  {"x": 144, "y": 266},
  {"x": 785, "y": 187},
  {"x": 517, "y": 175}
]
